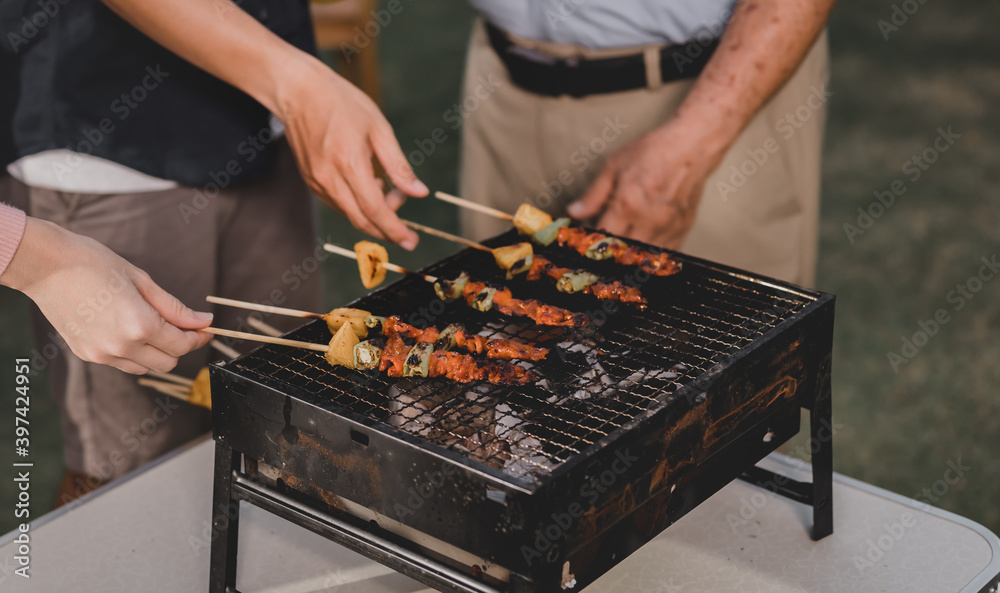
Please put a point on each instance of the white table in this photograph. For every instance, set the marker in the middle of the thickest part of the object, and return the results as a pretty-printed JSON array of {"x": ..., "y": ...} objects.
[{"x": 147, "y": 533}]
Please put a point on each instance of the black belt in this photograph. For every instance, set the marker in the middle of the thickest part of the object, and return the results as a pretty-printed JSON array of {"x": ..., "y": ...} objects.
[{"x": 544, "y": 74}]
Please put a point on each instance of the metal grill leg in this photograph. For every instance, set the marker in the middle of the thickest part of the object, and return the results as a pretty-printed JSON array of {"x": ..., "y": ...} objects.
[
  {"x": 819, "y": 492},
  {"x": 821, "y": 429},
  {"x": 225, "y": 522}
]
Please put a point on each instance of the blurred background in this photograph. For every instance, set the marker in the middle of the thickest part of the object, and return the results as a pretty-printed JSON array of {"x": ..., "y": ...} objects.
[{"x": 894, "y": 88}]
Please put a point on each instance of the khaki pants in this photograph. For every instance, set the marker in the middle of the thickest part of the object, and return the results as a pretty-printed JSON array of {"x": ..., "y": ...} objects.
[
  {"x": 254, "y": 242},
  {"x": 760, "y": 208}
]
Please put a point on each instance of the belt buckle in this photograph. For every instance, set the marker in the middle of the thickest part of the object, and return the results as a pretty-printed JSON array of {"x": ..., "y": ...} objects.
[
  {"x": 566, "y": 75},
  {"x": 556, "y": 77}
]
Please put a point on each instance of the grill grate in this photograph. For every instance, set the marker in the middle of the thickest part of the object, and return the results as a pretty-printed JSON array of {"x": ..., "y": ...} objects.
[{"x": 592, "y": 383}]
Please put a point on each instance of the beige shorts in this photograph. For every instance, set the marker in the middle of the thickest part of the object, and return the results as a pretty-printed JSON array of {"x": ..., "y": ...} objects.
[
  {"x": 760, "y": 208},
  {"x": 255, "y": 242}
]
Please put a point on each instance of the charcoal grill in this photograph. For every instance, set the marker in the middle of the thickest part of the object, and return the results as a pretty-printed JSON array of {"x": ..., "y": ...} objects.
[{"x": 490, "y": 488}]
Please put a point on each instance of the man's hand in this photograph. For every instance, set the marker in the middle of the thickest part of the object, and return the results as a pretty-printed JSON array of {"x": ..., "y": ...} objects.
[
  {"x": 651, "y": 188},
  {"x": 107, "y": 310},
  {"x": 335, "y": 130}
]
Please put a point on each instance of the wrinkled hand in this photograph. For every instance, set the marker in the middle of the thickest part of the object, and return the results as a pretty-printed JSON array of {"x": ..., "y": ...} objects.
[
  {"x": 650, "y": 189},
  {"x": 335, "y": 130},
  {"x": 107, "y": 310}
]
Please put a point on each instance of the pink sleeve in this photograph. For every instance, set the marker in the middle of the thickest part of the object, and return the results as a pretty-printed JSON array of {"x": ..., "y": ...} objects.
[{"x": 12, "y": 222}]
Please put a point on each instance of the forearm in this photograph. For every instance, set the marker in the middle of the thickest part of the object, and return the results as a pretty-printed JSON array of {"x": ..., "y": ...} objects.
[
  {"x": 36, "y": 254},
  {"x": 763, "y": 45},
  {"x": 222, "y": 39},
  {"x": 333, "y": 128}
]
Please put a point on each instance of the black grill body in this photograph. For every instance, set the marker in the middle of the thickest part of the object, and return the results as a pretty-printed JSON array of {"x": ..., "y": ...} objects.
[{"x": 545, "y": 487}]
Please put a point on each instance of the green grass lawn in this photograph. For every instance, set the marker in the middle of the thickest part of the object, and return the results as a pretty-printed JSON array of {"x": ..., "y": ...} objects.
[{"x": 899, "y": 429}]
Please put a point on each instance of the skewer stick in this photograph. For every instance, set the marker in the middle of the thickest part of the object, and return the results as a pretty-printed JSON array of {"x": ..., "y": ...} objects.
[
  {"x": 447, "y": 236},
  {"x": 266, "y": 339},
  {"x": 170, "y": 377},
  {"x": 258, "y": 324},
  {"x": 472, "y": 205},
  {"x": 262, "y": 308},
  {"x": 264, "y": 328},
  {"x": 225, "y": 350},
  {"x": 391, "y": 267},
  {"x": 165, "y": 388}
]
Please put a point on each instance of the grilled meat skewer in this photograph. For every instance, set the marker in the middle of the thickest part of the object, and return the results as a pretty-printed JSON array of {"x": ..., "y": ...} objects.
[
  {"x": 398, "y": 359},
  {"x": 582, "y": 281},
  {"x": 598, "y": 246},
  {"x": 506, "y": 304},
  {"x": 456, "y": 335},
  {"x": 537, "y": 224}
]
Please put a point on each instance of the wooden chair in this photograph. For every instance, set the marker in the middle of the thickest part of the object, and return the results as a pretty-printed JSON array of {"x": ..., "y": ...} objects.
[{"x": 342, "y": 29}]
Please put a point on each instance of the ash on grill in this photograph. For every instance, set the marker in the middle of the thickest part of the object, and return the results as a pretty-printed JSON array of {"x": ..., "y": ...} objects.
[{"x": 471, "y": 420}]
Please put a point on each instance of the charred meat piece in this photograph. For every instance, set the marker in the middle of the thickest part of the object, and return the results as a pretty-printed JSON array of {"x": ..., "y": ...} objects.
[
  {"x": 503, "y": 301},
  {"x": 568, "y": 280},
  {"x": 599, "y": 246},
  {"x": 482, "y": 298},
  {"x": 458, "y": 336},
  {"x": 453, "y": 365}
]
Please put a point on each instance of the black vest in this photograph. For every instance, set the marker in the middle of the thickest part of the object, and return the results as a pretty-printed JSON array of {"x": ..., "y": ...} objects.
[{"x": 74, "y": 75}]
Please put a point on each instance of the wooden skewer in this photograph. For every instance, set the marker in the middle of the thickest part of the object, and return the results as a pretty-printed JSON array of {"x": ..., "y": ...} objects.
[
  {"x": 266, "y": 339},
  {"x": 225, "y": 350},
  {"x": 472, "y": 205},
  {"x": 257, "y": 324},
  {"x": 447, "y": 236},
  {"x": 261, "y": 326},
  {"x": 171, "y": 389},
  {"x": 172, "y": 378},
  {"x": 264, "y": 328},
  {"x": 262, "y": 308},
  {"x": 388, "y": 266}
]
